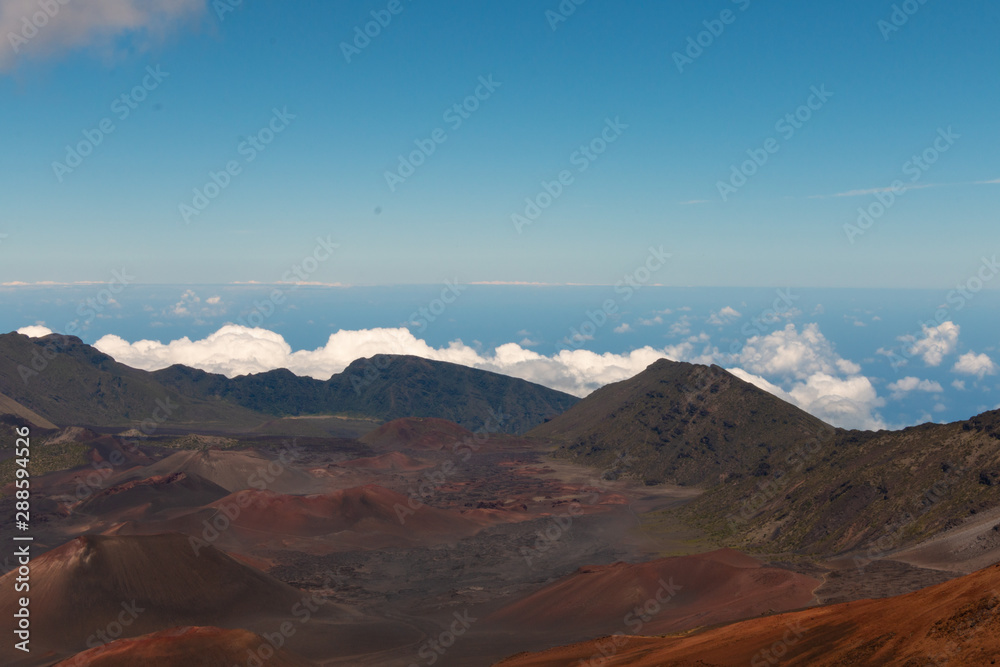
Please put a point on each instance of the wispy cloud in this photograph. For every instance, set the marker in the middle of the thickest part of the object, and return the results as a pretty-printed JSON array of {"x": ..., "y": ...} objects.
[
  {"x": 904, "y": 188},
  {"x": 695, "y": 201},
  {"x": 875, "y": 191},
  {"x": 106, "y": 27}
]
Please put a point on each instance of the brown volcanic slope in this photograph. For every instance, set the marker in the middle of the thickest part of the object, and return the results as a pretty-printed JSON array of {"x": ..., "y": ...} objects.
[
  {"x": 685, "y": 592},
  {"x": 957, "y": 622},
  {"x": 67, "y": 382},
  {"x": 9, "y": 406},
  {"x": 387, "y": 461},
  {"x": 366, "y": 509},
  {"x": 156, "y": 582},
  {"x": 152, "y": 494},
  {"x": 232, "y": 470},
  {"x": 416, "y": 433},
  {"x": 777, "y": 479},
  {"x": 679, "y": 422},
  {"x": 189, "y": 646},
  {"x": 864, "y": 492},
  {"x": 81, "y": 586},
  {"x": 367, "y": 517}
]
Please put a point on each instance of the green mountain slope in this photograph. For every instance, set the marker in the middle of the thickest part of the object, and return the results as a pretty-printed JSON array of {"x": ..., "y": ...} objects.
[
  {"x": 680, "y": 423},
  {"x": 67, "y": 382},
  {"x": 385, "y": 387}
]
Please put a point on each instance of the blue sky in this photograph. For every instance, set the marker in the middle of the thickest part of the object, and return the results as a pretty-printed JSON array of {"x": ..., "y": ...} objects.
[
  {"x": 703, "y": 157},
  {"x": 324, "y": 174}
]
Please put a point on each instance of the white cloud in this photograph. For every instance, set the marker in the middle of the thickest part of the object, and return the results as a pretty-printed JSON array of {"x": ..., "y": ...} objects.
[
  {"x": 35, "y": 331},
  {"x": 235, "y": 350},
  {"x": 847, "y": 403},
  {"x": 958, "y": 384},
  {"x": 725, "y": 316},
  {"x": 873, "y": 191},
  {"x": 901, "y": 387},
  {"x": 937, "y": 342},
  {"x": 623, "y": 328},
  {"x": 191, "y": 305},
  {"x": 682, "y": 327},
  {"x": 650, "y": 322},
  {"x": 971, "y": 363},
  {"x": 103, "y": 26},
  {"x": 786, "y": 352},
  {"x": 802, "y": 367}
]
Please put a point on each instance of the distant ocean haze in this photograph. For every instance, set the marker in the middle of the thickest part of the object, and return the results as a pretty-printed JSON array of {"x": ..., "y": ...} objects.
[{"x": 856, "y": 358}]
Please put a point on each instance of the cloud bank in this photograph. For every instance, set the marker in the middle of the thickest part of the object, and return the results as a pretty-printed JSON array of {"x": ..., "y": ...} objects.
[{"x": 800, "y": 367}]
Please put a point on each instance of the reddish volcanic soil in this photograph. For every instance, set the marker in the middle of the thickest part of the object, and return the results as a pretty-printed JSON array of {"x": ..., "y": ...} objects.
[
  {"x": 366, "y": 517},
  {"x": 232, "y": 470},
  {"x": 79, "y": 587},
  {"x": 189, "y": 646},
  {"x": 133, "y": 585},
  {"x": 143, "y": 497},
  {"x": 659, "y": 596},
  {"x": 955, "y": 623},
  {"x": 387, "y": 461},
  {"x": 365, "y": 509},
  {"x": 416, "y": 433}
]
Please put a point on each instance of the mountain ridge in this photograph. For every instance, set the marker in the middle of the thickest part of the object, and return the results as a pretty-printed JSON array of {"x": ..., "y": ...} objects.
[{"x": 64, "y": 381}]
